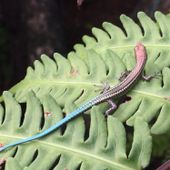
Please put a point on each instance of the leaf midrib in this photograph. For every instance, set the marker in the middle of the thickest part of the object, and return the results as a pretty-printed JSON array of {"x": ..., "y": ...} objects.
[
  {"x": 86, "y": 154},
  {"x": 29, "y": 84}
]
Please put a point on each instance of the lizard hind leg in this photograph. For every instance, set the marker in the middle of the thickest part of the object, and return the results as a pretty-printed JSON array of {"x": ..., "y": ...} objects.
[
  {"x": 113, "y": 105},
  {"x": 106, "y": 87},
  {"x": 103, "y": 88},
  {"x": 112, "y": 108}
]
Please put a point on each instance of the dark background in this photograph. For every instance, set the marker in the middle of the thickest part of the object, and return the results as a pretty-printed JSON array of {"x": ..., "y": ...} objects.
[{"x": 29, "y": 28}]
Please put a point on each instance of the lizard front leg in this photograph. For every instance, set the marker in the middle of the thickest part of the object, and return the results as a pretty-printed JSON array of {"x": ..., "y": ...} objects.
[{"x": 149, "y": 77}]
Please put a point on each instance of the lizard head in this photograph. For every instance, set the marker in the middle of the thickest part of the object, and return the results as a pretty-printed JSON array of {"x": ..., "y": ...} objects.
[{"x": 140, "y": 53}]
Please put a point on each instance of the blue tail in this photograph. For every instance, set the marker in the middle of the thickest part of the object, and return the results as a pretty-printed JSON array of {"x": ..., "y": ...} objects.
[{"x": 52, "y": 128}]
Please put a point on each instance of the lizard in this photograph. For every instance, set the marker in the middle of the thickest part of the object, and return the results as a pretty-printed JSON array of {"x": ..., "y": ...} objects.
[{"x": 111, "y": 93}]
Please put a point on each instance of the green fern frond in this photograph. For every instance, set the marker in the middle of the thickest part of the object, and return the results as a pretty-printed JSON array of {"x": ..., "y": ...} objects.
[
  {"x": 101, "y": 146},
  {"x": 103, "y": 58}
]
